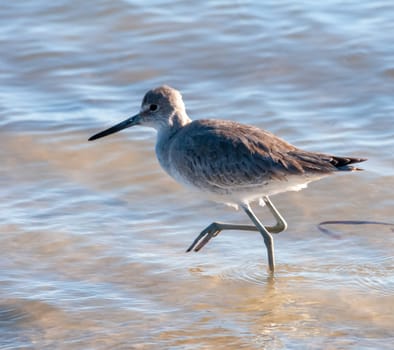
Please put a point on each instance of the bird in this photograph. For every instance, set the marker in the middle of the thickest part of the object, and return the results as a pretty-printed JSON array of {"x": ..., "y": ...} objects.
[{"x": 229, "y": 162}]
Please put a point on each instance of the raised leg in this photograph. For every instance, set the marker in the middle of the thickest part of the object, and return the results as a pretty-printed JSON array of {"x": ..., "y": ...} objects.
[
  {"x": 268, "y": 240},
  {"x": 216, "y": 227},
  {"x": 213, "y": 230}
]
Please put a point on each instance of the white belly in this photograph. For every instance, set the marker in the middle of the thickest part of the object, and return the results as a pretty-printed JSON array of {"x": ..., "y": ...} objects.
[{"x": 249, "y": 194}]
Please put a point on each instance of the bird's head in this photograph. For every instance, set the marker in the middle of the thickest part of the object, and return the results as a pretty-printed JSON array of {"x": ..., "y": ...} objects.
[{"x": 161, "y": 108}]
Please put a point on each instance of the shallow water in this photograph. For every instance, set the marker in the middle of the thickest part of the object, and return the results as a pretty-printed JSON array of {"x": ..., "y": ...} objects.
[{"x": 92, "y": 235}]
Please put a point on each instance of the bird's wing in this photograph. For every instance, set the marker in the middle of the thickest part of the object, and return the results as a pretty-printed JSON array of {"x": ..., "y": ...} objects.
[{"x": 227, "y": 154}]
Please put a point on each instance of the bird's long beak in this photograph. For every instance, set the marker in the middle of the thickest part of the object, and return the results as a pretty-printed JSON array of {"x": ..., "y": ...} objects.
[{"x": 123, "y": 125}]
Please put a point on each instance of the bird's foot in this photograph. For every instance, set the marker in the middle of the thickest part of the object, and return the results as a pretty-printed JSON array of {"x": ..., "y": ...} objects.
[{"x": 205, "y": 236}]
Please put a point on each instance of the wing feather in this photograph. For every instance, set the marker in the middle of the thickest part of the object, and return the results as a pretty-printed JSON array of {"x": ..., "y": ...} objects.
[{"x": 225, "y": 154}]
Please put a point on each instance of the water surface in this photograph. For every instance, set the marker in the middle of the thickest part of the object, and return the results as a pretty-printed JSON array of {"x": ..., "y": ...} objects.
[{"x": 93, "y": 235}]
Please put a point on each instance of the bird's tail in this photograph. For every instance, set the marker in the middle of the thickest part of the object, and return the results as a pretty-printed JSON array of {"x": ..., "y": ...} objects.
[{"x": 343, "y": 163}]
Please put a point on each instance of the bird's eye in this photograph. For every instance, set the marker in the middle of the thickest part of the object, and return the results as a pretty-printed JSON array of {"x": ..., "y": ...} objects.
[{"x": 153, "y": 107}]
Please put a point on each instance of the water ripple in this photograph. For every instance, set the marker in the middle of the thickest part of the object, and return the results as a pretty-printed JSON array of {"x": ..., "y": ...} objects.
[{"x": 92, "y": 235}]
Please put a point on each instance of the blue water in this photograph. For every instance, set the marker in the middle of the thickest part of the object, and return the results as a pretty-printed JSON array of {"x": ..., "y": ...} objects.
[{"x": 92, "y": 235}]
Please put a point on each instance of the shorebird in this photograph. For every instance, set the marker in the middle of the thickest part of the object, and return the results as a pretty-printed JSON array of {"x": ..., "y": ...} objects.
[{"x": 230, "y": 162}]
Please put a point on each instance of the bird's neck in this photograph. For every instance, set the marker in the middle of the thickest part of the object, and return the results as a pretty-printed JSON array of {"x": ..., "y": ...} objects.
[
  {"x": 176, "y": 121},
  {"x": 179, "y": 119},
  {"x": 165, "y": 135}
]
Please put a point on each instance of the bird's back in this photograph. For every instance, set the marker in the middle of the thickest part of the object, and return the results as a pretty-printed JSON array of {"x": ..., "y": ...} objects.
[{"x": 223, "y": 156}]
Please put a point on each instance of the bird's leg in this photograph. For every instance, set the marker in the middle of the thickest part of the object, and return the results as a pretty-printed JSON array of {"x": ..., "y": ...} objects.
[
  {"x": 216, "y": 227},
  {"x": 268, "y": 240},
  {"x": 213, "y": 230},
  {"x": 281, "y": 224}
]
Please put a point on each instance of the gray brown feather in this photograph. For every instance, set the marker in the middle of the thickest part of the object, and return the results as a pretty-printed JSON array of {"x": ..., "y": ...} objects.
[{"x": 222, "y": 154}]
